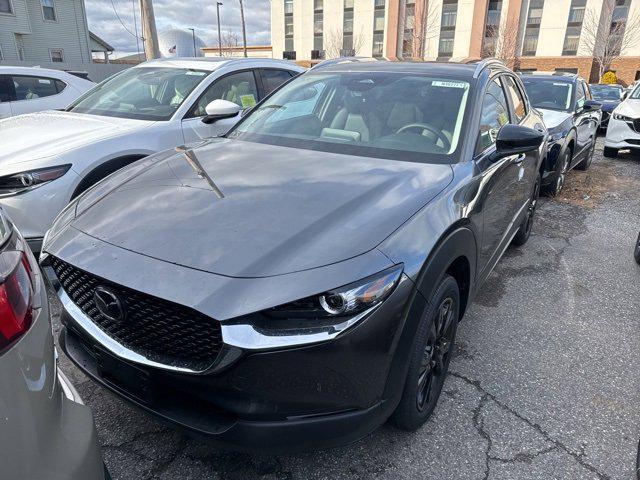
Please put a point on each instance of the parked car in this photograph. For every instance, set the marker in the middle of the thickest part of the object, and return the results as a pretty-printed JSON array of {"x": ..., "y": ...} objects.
[
  {"x": 28, "y": 90},
  {"x": 610, "y": 97},
  {"x": 299, "y": 280},
  {"x": 47, "y": 431},
  {"x": 572, "y": 118},
  {"x": 624, "y": 126},
  {"x": 49, "y": 158}
]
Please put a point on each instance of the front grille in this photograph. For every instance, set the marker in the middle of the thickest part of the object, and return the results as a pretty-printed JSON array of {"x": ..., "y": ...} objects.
[
  {"x": 160, "y": 330},
  {"x": 636, "y": 125}
]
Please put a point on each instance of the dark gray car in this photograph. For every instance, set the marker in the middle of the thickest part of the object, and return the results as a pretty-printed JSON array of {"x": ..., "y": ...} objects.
[{"x": 298, "y": 281}]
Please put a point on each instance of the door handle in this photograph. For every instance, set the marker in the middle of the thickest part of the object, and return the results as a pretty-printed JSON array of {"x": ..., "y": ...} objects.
[{"x": 519, "y": 159}]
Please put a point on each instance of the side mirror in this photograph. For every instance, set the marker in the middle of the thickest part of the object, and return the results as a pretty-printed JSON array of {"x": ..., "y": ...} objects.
[
  {"x": 516, "y": 139},
  {"x": 219, "y": 109},
  {"x": 591, "y": 106}
]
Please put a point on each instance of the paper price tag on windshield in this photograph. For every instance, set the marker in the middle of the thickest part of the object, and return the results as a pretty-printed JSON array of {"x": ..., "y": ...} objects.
[
  {"x": 440, "y": 83},
  {"x": 247, "y": 101}
]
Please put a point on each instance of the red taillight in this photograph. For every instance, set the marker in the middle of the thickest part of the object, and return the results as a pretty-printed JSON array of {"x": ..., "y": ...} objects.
[{"x": 16, "y": 295}]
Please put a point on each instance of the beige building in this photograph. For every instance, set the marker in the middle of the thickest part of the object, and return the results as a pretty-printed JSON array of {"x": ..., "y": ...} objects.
[
  {"x": 532, "y": 34},
  {"x": 253, "y": 51}
]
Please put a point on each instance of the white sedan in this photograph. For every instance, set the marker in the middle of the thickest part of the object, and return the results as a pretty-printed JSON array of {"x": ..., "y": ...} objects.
[
  {"x": 33, "y": 89},
  {"x": 48, "y": 158},
  {"x": 623, "y": 131}
]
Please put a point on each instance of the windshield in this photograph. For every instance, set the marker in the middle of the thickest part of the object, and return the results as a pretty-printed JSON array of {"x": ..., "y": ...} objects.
[
  {"x": 606, "y": 92},
  {"x": 549, "y": 93},
  {"x": 147, "y": 93},
  {"x": 400, "y": 116},
  {"x": 636, "y": 93}
]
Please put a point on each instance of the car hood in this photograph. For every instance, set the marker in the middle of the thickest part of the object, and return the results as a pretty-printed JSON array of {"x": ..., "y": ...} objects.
[
  {"x": 51, "y": 133},
  {"x": 629, "y": 108},
  {"x": 250, "y": 210},
  {"x": 553, "y": 118}
]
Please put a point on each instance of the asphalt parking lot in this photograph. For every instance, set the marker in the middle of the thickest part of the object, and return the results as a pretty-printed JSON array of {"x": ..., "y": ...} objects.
[{"x": 545, "y": 382}]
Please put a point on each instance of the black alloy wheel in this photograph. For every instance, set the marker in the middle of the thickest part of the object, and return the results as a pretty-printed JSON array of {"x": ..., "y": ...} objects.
[
  {"x": 561, "y": 174},
  {"x": 524, "y": 231},
  {"x": 433, "y": 348},
  {"x": 586, "y": 163},
  {"x": 636, "y": 251}
]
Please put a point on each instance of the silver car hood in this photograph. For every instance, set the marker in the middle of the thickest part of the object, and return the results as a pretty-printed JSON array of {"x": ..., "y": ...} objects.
[{"x": 251, "y": 210}]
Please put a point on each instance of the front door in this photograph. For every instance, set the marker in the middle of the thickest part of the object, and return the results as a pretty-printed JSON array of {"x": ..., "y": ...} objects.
[{"x": 238, "y": 87}]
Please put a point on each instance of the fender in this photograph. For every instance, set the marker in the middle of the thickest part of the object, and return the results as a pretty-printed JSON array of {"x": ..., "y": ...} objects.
[
  {"x": 103, "y": 170},
  {"x": 458, "y": 242}
]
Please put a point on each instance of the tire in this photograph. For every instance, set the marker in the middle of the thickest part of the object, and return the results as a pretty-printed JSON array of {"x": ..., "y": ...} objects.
[
  {"x": 636, "y": 251},
  {"x": 610, "y": 152},
  {"x": 432, "y": 350},
  {"x": 586, "y": 163},
  {"x": 524, "y": 231},
  {"x": 562, "y": 167}
]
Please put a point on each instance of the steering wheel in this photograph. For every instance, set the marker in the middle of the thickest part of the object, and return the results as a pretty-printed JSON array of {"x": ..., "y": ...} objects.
[{"x": 424, "y": 127}]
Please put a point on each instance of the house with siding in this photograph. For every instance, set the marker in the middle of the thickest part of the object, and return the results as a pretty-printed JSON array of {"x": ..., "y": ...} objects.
[{"x": 44, "y": 31}]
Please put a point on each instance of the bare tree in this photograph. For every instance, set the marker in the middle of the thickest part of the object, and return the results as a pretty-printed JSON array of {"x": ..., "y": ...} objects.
[
  {"x": 423, "y": 26},
  {"x": 229, "y": 43},
  {"x": 606, "y": 37},
  {"x": 501, "y": 42},
  {"x": 333, "y": 43}
]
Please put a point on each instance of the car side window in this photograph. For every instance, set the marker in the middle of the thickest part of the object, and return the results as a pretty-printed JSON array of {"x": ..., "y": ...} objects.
[
  {"x": 587, "y": 91},
  {"x": 519, "y": 105},
  {"x": 272, "y": 79},
  {"x": 580, "y": 96},
  {"x": 239, "y": 88},
  {"x": 494, "y": 115},
  {"x": 60, "y": 85},
  {"x": 7, "y": 89},
  {"x": 32, "y": 88}
]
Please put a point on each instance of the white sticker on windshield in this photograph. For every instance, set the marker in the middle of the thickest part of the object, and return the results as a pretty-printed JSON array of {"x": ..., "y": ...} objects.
[
  {"x": 561, "y": 84},
  {"x": 44, "y": 81},
  {"x": 439, "y": 83},
  {"x": 197, "y": 74}
]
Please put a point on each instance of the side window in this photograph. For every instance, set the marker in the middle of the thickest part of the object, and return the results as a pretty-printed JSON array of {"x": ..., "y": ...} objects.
[
  {"x": 580, "y": 96},
  {"x": 60, "y": 86},
  {"x": 587, "y": 91},
  {"x": 32, "y": 88},
  {"x": 272, "y": 79},
  {"x": 238, "y": 88},
  {"x": 519, "y": 105},
  {"x": 7, "y": 89},
  {"x": 495, "y": 114},
  {"x": 303, "y": 103}
]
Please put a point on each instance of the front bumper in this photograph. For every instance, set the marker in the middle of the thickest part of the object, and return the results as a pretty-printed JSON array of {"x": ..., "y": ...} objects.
[
  {"x": 277, "y": 400},
  {"x": 621, "y": 135}
]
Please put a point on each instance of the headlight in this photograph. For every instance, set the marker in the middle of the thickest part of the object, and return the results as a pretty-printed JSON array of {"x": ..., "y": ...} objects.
[
  {"x": 5, "y": 228},
  {"x": 19, "y": 182},
  {"x": 623, "y": 118},
  {"x": 344, "y": 301}
]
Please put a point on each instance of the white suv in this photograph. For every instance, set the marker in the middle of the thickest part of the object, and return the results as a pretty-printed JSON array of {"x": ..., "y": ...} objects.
[
  {"x": 624, "y": 126},
  {"x": 28, "y": 90},
  {"x": 48, "y": 158}
]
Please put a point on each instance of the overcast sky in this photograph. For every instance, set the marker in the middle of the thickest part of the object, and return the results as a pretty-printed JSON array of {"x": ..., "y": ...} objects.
[{"x": 198, "y": 14}]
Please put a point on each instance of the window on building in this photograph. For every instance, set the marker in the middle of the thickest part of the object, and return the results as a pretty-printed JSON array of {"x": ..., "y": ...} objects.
[
  {"x": 378, "y": 44},
  {"x": 407, "y": 44},
  {"x": 493, "y": 12},
  {"x": 530, "y": 42},
  {"x": 348, "y": 21},
  {"x": 6, "y": 7},
  {"x": 317, "y": 24},
  {"x": 576, "y": 12},
  {"x": 378, "y": 21},
  {"x": 19, "y": 47},
  {"x": 318, "y": 43},
  {"x": 571, "y": 41},
  {"x": 48, "y": 10},
  {"x": 318, "y": 5},
  {"x": 535, "y": 12},
  {"x": 445, "y": 49},
  {"x": 288, "y": 6},
  {"x": 409, "y": 16},
  {"x": 449, "y": 14},
  {"x": 1, "y": 54},
  {"x": 288, "y": 44},
  {"x": 379, "y": 3},
  {"x": 57, "y": 55},
  {"x": 348, "y": 4}
]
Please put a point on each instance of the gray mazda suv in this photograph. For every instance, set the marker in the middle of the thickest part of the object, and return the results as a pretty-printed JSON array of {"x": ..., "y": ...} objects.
[{"x": 299, "y": 281}]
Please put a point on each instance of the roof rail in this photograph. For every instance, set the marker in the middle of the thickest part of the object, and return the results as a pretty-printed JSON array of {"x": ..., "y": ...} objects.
[
  {"x": 340, "y": 60},
  {"x": 486, "y": 63}
]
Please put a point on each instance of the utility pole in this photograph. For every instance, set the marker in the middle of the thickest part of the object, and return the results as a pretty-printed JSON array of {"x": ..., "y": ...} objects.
[
  {"x": 244, "y": 30},
  {"x": 151, "y": 48},
  {"x": 218, "y": 5}
]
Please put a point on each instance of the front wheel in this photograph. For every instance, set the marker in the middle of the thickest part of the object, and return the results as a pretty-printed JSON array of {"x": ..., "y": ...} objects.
[
  {"x": 636, "y": 252},
  {"x": 562, "y": 166},
  {"x": 586, "y": 163},
  {"x": 525, "y": 228},
  {"x": 432, "y": 350},
  {"x": 610, "y": 152}
]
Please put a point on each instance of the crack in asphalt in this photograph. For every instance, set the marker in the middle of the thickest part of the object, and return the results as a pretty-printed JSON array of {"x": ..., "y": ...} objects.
[{"x": 486, "y": 396}]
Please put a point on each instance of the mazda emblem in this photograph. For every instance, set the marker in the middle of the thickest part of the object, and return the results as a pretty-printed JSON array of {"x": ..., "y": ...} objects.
[{"x": 108, "y": 304}]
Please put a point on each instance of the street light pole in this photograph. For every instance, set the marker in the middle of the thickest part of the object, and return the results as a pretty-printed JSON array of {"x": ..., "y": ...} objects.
[
  {"x": 193, "y": 35},
  {"x": 244, "y": 31},
  {"x": 218, "y": 5}
]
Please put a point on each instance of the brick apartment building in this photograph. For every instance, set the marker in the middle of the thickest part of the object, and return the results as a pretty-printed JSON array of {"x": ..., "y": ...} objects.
[{"x": 546, "y": 34}]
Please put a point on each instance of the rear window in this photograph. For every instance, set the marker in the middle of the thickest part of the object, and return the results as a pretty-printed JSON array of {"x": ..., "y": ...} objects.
[{"x": 32, "y": 88}]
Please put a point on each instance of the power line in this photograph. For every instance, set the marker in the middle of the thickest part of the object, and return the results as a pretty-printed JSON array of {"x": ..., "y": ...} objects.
[{"x": 121, "y": 22}]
